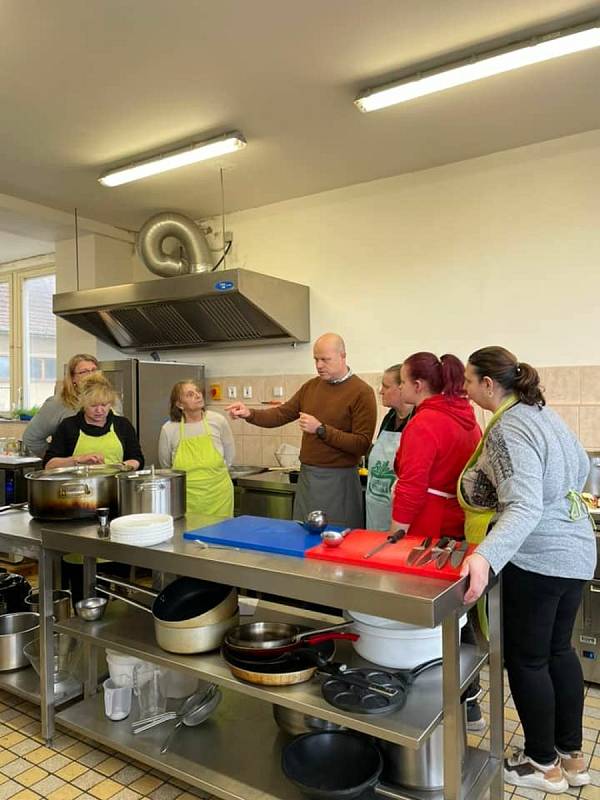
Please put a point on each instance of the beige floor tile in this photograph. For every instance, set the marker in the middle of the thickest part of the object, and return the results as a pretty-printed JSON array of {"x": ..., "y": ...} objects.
[
  {"x": 146, "y": 784},
  {"x": 31, "y": 776},
  {"x": 127, "y": 794},
  {"x": 105, "y": 789},
  {"x": 6, "y": 756},
  {"x": 26, "y": 794},
  {"x": 75, "y": 751},
  {"x": 66, "y": 792},
  {"x": 110, "y": 765},
  {"x": 590, "y": 793},
  {"x": 11, "y": 739},
  {"x": 72, "y": 771},
  {"x": 9, "y": 789},
  {"x": 39, "y": 754}
]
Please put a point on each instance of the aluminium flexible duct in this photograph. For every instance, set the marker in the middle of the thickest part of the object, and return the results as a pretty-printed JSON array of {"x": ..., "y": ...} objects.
[{"x": 150, "y": 240}]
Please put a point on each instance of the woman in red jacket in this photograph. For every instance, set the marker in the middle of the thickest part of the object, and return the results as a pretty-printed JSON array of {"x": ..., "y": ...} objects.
[{"x": 435, "y": 446}]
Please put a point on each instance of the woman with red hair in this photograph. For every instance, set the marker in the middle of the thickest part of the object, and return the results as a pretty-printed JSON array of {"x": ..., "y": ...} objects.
[{"x": 435, "y": 446}]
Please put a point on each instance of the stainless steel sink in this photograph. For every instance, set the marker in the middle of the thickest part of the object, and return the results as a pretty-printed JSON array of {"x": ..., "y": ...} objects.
[{"x": 242, "y": 470}]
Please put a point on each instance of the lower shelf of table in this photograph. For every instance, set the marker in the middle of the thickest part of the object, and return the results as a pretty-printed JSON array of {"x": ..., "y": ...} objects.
[
  {"x": 25, "y": 683},
  {"x": 235, "y": 755}
]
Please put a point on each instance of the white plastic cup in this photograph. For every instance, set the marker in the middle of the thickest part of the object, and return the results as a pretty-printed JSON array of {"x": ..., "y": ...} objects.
[
  {"x": 117, "y": 700},
  {"x": 148, "y": 690}
]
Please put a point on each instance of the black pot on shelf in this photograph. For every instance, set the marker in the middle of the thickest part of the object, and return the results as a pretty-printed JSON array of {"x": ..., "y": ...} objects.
[{"x": 13, "y": 591}]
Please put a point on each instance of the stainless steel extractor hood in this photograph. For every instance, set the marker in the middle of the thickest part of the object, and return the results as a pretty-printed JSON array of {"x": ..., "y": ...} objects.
[{"x": 204, "y": 309}]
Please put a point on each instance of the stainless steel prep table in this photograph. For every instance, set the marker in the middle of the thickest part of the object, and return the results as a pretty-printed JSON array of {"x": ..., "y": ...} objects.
[{"x": 419, "y": 601}]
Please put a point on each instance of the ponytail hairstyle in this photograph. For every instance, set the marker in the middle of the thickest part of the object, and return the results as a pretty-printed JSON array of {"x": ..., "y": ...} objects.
[
  {"x": 514, "y": 376},
  {"x": 444, "y": 375}
]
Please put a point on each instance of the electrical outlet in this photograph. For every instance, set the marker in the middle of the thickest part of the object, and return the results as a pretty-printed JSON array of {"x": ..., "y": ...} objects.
[
  {"x": 228, "y": 237},
  {"x": 247, "y": 392},
  {"x": 278, "y": 391},
  {"x": 231, "y": 392}
]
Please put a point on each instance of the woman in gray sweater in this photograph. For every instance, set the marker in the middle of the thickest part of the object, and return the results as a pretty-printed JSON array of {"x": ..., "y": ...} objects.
[
  {"x": 527, "y": 476},
  {"x": 57, "y": 408}
]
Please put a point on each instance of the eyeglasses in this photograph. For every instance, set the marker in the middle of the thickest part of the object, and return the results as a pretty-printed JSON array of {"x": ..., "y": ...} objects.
[{"x": 85, "y": 371}]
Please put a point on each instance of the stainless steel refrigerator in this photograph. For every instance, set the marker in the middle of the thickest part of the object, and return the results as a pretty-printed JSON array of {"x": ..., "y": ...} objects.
[{"x": 144, "y": 388}]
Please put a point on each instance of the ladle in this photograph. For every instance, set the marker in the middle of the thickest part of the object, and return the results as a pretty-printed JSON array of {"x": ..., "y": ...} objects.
[{"x": 334, "y": 538}]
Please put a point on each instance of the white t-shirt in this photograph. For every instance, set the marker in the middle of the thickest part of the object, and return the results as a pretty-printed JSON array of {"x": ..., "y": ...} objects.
[{"x": 218, "y": 428}]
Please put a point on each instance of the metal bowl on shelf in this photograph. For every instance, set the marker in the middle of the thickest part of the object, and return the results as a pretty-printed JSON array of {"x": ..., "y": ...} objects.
[{"x": 91, "y": 608}]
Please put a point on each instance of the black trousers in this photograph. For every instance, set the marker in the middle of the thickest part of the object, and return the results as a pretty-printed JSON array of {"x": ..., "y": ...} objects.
[{"x": 544, "y": 672}]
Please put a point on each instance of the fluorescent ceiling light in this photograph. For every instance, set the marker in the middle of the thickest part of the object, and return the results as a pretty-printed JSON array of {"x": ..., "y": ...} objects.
[
  {"x": 200, "y": 151},
  {"x": 483, "y": 66}
]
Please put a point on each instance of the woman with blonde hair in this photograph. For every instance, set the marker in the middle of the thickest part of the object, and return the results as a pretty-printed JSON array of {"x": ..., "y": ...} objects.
[
  {"x": 58, "y": 407},
  {"x": 200, "y": 443},
  {"x": 94, "y": 435}
]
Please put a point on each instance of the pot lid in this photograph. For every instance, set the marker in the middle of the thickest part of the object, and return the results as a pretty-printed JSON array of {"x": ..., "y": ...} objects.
[
  {"x": 74, "y": 473},
  {"x": 150, "y": 474}
]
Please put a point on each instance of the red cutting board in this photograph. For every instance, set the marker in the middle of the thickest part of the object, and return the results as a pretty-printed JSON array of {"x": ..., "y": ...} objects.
[{"x": 392, "y": 557}]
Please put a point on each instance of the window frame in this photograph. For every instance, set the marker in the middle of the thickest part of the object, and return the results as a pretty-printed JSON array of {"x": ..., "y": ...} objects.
[{"x": 15, "y": 275}]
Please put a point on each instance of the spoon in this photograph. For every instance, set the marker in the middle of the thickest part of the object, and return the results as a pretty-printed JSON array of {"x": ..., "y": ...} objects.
[{"x": 334, "y": 538}]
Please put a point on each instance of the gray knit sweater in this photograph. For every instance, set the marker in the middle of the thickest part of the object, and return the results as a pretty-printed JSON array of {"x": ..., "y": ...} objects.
[
  {"x": 44, "y": 424},
  {"x": 529, "y": 463}
]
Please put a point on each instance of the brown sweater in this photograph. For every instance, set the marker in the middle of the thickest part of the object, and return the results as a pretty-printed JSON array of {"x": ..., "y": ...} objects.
[{"x": 348, "y": 410}]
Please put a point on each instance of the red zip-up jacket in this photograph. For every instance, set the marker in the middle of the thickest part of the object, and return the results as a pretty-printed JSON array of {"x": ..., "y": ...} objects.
[{"x": 434, "y": 448}]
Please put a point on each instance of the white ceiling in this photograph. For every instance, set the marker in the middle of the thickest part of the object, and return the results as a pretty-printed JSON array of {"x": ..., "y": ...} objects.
[{"x": 88, "y": 85}]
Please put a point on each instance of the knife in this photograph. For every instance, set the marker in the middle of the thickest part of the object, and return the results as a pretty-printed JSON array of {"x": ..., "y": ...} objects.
[
  {"x": 442, "y": 559},
  {"x": 459, "y": 553},
  {"x": 419, "y": 550},
  {"x": 391, "y": 539},
  {"x": 435, "y": 551}
]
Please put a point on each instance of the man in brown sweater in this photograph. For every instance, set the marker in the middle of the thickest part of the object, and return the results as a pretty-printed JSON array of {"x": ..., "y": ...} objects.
[{"x": 337, "y": 412}]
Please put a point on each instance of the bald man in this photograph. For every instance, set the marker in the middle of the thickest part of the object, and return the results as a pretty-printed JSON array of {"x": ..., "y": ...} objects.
[{"x": 337, "y": 412}]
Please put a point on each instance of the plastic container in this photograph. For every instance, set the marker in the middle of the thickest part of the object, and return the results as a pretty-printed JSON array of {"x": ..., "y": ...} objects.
[
  {"x": 389, "y": 643},
  {"x": 176, "y": 683},
  {"x": 121, "y": 666}
]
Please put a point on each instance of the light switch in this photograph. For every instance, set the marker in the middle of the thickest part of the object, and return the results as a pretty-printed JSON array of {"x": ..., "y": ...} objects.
[
  {"x": 278, "y": 391},
  {"x": 231, "y": 392},
  {"x": 247, "y": 392}
]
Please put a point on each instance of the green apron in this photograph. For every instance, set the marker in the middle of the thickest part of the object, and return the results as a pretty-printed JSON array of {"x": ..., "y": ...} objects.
[
  {"x": 478, "y": 518},
  {"x": 209, "y": 487},
  {"x": 109, "y": 445},
  {"x": 111, "y": 448}
]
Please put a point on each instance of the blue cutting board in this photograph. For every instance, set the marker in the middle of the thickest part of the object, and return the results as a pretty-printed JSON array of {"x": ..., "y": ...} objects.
[{"x": 260, "y": 533}]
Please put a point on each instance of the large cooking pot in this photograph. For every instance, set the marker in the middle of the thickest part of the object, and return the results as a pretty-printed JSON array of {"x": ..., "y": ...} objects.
[
  {"x": 152, "y": 491},
  {"x": 422, "y": 768},
  {"x": 190, "y": 615},
  {"x": 16, "y": 631},
  {"x": 72, "y": 492}
]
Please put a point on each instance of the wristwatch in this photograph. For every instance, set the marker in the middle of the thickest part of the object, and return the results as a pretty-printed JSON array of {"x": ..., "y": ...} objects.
[{"x": 321, "y": 431}]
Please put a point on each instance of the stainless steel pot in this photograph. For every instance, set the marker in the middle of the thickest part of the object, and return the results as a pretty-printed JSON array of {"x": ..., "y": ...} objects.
[
  {"x": 61, "y": 603},
  {"x": 423, "y": 768},
  {"x": 72, "y": 492},
  {"x": 153, "y": 491},
  {"x": 16, "y": 631},
  {"x": 295, "y": 723}
]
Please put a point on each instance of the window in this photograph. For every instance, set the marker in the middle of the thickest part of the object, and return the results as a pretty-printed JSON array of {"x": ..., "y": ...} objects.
[{"x": 27, "y": 335}]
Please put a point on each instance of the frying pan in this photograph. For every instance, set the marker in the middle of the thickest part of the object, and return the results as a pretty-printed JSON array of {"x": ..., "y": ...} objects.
[
  {"x": 268, "y": 639},
  {"x": 279, "y": 671},
  {"x": 187, "y": 602}
]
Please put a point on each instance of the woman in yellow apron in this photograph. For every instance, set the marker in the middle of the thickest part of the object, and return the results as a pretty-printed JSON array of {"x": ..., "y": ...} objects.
[
  {"x": 527, "y": 475},
  {"x": 93, "y": 436},
  {"x": 200, "y": 443}
]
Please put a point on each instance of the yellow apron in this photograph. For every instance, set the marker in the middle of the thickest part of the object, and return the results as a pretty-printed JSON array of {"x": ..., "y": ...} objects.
[
  {"x": 109, "y": 445},
  {"x": 112, "y": 449},
  {"x": 209, "y": 487},
  {"x": 478, "y": 518}
]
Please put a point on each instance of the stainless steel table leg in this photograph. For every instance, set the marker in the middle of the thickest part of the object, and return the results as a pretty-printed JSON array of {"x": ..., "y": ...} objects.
[
  {"x": 496, "y": 691},
  {"x": 90, "y": 660},
  {"x": 452, "y": 710},
  {"x": 45, "y": 569}
]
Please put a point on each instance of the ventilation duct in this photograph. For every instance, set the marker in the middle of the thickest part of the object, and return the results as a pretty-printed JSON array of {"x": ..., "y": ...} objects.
[{"x": 151, "y": 239}]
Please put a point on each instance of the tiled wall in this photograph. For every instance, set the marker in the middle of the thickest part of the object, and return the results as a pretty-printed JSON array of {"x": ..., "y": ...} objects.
[{"x": 574, "y": 392}]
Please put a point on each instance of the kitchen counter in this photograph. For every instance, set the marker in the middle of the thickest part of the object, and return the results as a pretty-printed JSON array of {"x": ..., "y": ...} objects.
[{"x": 269, "y": 481}]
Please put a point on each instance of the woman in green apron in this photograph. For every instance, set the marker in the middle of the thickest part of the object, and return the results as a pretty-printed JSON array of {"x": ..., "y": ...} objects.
[
  {"x": 526, "y": 478},
  {"x": 200, "y": 443},
  {"x": 93, "y": 436},
  {"x": 381, "y": 477}
]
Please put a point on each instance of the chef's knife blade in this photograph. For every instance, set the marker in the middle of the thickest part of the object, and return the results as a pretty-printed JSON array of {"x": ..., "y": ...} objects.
[
  {"x": 391, "y": 539},
  {"x": 443, "y": 557},
  {"x": 418, "y": 550},
  {"x": 459, "y": 553},
  {"x": 435, "y": 551}
]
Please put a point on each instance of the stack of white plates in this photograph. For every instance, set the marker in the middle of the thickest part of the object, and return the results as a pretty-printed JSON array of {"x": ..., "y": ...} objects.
[{"x": 142, "y": 530}]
